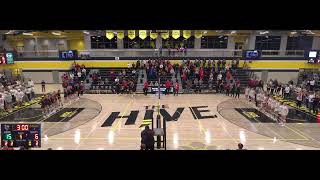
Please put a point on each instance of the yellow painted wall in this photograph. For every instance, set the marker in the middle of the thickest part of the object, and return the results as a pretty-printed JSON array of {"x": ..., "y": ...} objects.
[
  {"x": 76, "y": 44},
  {"x": 269, "y": 64}
]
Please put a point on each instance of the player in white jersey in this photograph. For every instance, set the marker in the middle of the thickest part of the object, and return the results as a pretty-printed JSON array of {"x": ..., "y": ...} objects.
[
  {"x": 1, "y": 103},
  {"x": 8, "y": 101},
  {"x": 260, "y": 99},
  {"x": 269, "y": 104},
  {"x": 246, "y": 92},
  {"x": 265, "y": 101},
  {"x": 252, "y": 93},
  {"x": 284, "y": 111},
  {"x": 277, "y": 109},
  {"x": 19, "y": 97}
]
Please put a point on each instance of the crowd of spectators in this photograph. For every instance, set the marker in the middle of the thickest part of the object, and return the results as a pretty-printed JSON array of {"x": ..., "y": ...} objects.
[
  {"x": 207, "y": 74},
  {"x": 118, "y": 80},
  {"x": 160, "y": 70},
  {"x": 73, "y": 82},
  {"x": 14, "y": 92}
]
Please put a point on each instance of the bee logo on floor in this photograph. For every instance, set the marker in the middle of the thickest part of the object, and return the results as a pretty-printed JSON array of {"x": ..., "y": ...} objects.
[
  {"x": 251, "y": 114},
  {"x": 68, "y": 114}
]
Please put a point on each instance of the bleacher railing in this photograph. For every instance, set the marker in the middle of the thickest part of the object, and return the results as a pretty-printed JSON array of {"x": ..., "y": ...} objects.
[{"x": 156, "y": 52}]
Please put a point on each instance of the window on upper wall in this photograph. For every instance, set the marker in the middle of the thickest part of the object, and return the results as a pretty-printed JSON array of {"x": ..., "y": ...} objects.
[
  {"x": 214, "y": 42},
  {"x": 268, "y": 42},
  {"x": 102, "y": 42},
  {"x": 299, "y": 43},
  {"x": 177, "y": 43},
  {"x": 138, "y": 43}
]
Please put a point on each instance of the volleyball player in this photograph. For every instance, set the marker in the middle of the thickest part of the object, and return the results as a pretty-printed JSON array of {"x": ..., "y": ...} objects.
[
  {"x": 246, "y": 92},
  {"x": 59, "y": 98},
  {"x": 252, "y": 93},
  {"x": 284, "y": 111},
  {"x": 1, "y": 103},
  {"x": 260, "y": 98}
]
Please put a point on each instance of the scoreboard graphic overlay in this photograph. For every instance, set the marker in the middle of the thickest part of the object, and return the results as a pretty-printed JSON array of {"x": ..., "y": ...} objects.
[{"x": 17, "y": 135}]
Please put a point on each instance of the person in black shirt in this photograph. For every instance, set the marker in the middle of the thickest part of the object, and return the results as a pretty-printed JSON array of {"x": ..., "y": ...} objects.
[
  {"x": 147, "y": 138},
  {"x": 43, "y": 86},
  {"x": 315, "y": 104},
  {"x": 237, "y": 91}
]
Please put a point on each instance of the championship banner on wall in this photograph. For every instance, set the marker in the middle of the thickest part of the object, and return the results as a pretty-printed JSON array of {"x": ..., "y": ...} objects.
[
  {"x": 131, "y": 34},
  {"x": 153, "y": 35},
  {"x": 186, "y": 34},
  {"x": 109, "y": 34},
  {"x": 198, "y": 34},
  {"x": 165, "y": 35},
  {"x": 120, "y": 34},
  {"x": 175, "y": 34},
  {"x": 142, "y": 34}
]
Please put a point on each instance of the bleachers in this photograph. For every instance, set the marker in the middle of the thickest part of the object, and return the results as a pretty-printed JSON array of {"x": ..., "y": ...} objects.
[{"x": 105, "y": 82}]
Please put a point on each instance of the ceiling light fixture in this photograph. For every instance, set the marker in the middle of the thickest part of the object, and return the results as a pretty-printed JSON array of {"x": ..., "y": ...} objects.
[
  {"x": 10, "y": 32},
  {"x": 264, "y": 32},
  {"x": 56, "y": 33},
  {"x": 293, "y": 32},
  {"x": 27, "y": 34},
  {"x": 86, "y": 32}
]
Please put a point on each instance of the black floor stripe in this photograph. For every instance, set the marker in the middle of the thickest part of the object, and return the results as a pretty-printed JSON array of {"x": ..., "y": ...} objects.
[
  {"x": 109, "y": 121},
  {"x": 132, "y": 118}
]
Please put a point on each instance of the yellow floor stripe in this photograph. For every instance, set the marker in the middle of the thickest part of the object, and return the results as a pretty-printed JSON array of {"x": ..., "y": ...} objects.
[{"x": 296, "y": 132}]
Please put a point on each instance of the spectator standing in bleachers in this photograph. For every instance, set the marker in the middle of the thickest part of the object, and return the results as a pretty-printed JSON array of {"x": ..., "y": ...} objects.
[
  {"x": 176, "y": 89},
  {"x": 312, "y": 83},
  {"x": 311, "y": 98},
  {"x": 168, "y": 86},
  {"x": 219, "y": 65},
  {"x": 145, "y": 88},
  {"x": 286, "y": 92}
]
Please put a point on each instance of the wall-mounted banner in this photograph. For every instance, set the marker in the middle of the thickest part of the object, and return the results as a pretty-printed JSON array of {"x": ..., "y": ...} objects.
[
  {"x": 153, "y": 35},
  {"x": 120, "y": 34},
  {"x": 198, "y": 34},
  {"x": 142, "y": 34},
  {"x": 131, "y": 34},
  {"x": 109, "y": 34},
  {"x": 186, "y": 34},
  {"x": 175, "y": 34},
  {"x": 165, "y": 35}
]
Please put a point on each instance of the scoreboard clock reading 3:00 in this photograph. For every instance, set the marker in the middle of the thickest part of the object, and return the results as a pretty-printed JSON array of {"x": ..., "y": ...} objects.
[{"x": 17, "y": 135}]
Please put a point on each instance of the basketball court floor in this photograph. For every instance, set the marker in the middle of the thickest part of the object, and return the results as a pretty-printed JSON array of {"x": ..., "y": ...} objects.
[{"x": 194, "y": 122}]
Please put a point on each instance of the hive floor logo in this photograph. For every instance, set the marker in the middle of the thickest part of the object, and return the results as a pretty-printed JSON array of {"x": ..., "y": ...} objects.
[{"x": 149, "y": 112}]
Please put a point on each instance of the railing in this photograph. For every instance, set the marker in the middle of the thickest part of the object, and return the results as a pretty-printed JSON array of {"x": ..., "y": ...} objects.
[{"x": 155, "y": 53}]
